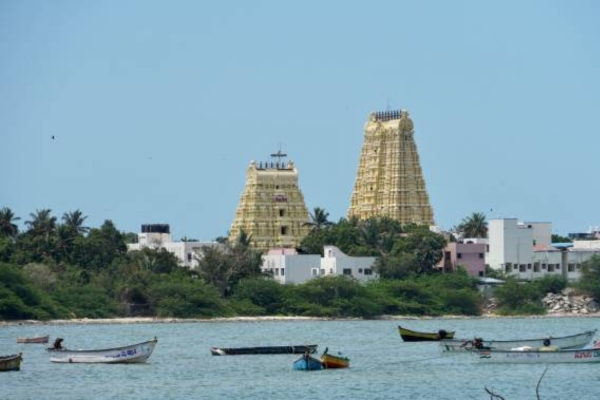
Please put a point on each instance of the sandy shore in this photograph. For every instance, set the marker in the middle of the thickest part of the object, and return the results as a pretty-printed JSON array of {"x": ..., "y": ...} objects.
[{"x": 156, "y": 320}]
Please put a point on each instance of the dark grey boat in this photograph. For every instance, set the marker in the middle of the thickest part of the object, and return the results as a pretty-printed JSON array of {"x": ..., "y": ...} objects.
[{"x": 237, "y": 351}]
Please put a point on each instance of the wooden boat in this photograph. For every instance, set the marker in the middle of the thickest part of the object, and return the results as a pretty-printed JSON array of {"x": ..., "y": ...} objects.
[
  {"x": 236, "y": 351},
  {"x": 576, "y": 341},
  {"x": 306, "y": 362},
  {"x": 11, "y": 363},
  {"x": 135, "y": 353},
  {"x": 37, "y": 339},
  {"x": 331, "y": 361},
  {"x": 539, "y": 356},
  {"x": 414, "y": 336}
]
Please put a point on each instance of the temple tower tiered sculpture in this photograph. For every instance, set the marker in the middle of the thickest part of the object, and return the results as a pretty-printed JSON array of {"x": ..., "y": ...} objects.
[
  {"x": 389, "y": 181},
  {"x": 271, "y": 209}
]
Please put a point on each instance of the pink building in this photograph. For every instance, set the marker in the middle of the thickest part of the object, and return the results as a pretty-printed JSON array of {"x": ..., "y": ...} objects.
[{"x": 471, "y": 256}]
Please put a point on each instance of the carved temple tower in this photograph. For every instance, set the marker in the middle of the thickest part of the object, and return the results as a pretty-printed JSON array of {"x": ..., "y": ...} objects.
[
  {"x": 389, "y": 181},
  {"x": 271, "y": 208}
]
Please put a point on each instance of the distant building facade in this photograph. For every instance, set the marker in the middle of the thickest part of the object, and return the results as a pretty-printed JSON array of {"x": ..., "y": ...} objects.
[
  {"x": 271, "y": 209},
  {"x": 389, "y": 181},
  {"x": 525, "y": 250},
  {"x": 467, "y": 254},
  {"x": 287, "y": 266},
  {"x": 158, "y": 236}
]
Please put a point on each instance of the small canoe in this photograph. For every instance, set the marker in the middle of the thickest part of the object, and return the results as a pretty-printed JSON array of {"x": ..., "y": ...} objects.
[
  {"x": 538, "y": 356},
  {"x": 330, "y": 361},
  {"x": 11, "y": 363},
  {"x": 307, "y": 363},
  {"x": 37, "y": 339},
  {"x": 135, "y": 353},
  {"x": 576, "y": 341},
  {"x": 414, "y": 336},
  {"x": 236, "y": 351}
]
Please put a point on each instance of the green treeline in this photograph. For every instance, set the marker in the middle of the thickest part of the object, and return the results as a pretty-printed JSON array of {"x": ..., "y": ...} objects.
[{"x": 62, "y": 269}]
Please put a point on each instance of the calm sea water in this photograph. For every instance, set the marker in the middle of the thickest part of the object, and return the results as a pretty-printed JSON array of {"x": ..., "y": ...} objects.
[{"x": 382, "y": 366}]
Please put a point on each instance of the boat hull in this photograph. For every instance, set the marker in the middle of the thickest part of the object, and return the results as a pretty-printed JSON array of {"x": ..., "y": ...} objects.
[
  {"x": 539, "y": 357},
  {"x": 136, "y": 353},
  {"x": 40, "y": 339},
  {"x": 11, "y": 363},
  {"x": 329, "y": 361},
  {"x": 236, "y": 351},
  {"x": 307, "y": 363},
  {"x": 576, "y": 341},
  {"x": 415, "y": 336}
]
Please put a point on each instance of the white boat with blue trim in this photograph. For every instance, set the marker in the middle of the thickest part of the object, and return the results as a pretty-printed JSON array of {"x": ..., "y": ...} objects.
[
  {"x": 576, "y": 341},
  {"x": 539, "y": 356},
  {"x": 135, "y": 353}
]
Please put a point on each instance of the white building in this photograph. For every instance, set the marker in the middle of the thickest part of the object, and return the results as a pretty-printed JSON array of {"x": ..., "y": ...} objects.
[
  {"x": 158, "y": 236},
  {"x": 287, "y": 266},
  {"x": 525, "y": 249}
]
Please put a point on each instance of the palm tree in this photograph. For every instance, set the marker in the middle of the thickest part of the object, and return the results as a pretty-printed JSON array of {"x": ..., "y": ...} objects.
[
  {"x": 474, "y": 226},
  {"x": 74, "y": 222},
  {"x": 318, "y": 219},
  {"x": 7, "y": 223},
  {"x": 42, "y": 222}
]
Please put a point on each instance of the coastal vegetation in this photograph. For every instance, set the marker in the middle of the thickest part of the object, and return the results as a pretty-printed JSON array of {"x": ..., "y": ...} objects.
[{"x": 60, "y": 268}]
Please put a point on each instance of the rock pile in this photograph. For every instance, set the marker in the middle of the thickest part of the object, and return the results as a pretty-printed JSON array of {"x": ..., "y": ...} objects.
[{"x": 567, "y": 303}]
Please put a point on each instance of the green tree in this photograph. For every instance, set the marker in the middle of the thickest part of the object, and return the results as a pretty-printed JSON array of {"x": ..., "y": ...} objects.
[
  {"x": 399, "y": 266},
  {"x": 8, "y": 227},
  {"x": 560, "y": 239},
  {"x": 224, "y": 267},
  {"x": 589, "y": 283},
  {"x": 41, "y": 223},
  {"x": 516, "y": 297},
  {"x": 425, "y": 245},
  {"x": 99, "y": 248},
  {"x": 74, "y": 223},
  {"x": 318, "y": 219},
  {"x": 474, "y": 226}
]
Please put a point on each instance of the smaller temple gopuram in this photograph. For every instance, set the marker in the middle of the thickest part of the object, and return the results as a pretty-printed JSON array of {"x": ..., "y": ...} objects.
[
  {"x": 271, "y": 209},
  {"x": 389, "y": 181}
]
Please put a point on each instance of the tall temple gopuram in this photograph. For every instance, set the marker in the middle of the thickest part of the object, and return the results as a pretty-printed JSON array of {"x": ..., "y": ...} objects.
[
  {"x": 389, "y": 181},
  {"x": 271, "y": 208}
]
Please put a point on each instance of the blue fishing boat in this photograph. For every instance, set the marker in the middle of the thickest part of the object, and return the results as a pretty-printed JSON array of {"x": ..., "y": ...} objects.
[{"x": 307, "y": 363}]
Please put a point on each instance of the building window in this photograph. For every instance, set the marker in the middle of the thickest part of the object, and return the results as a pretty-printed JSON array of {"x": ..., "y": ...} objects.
[
  {"x": 480, "y": 255},
  {"x": 282, "y": 271},
  {"x": 281, "y": 212},
  {"x": 543, "y": 266},
  {"x": 458, "y": 255},
  {"x": 480, "y": 273},
  {"x": 528, "y": 266},
  {"x": 368, "y": 271},
  {"x": 571, "y": 268},
  {"x": 360, "y": 271},
  {"x": 347, "y": 271},
  {"x": 521, "y": 267},
  {"x": 322, "y": 271},
  {"x": 487, "y": 248},
  {"x": 550, "y": 267},
  {"x": 276, "y": 271},
  {"x": 536, "y": 267},
  {"x": 283, "y": 230},
  {"x": 189, "y": 257},
  {"x": 507, "y": 268},
  {"x": 314, "y": 271}
]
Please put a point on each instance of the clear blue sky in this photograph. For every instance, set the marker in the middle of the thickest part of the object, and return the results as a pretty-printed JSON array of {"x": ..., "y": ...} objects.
[{"x": 158, "y": 107}]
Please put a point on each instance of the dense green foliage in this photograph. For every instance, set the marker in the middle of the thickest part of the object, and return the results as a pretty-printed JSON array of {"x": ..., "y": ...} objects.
[
  {"x": 58, "y": 268},
  {"x": 515, "y": 297},
  {"x": 590, "y": 278}
]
